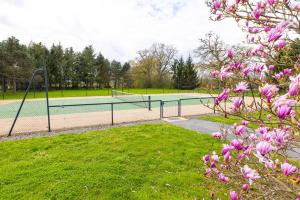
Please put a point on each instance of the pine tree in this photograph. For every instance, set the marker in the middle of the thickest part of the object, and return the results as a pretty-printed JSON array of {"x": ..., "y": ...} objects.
[
  {"x": 190, "y": 75},
  {"x": 103, "y": 71},
  {"x": 177, "y": 70}
]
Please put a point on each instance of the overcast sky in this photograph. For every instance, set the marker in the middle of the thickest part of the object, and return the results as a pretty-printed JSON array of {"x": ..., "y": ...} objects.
[{"x": 117, "y": 28}]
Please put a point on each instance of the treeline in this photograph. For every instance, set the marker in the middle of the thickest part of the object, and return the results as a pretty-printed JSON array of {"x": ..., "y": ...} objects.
[
  {"x": 154, "y": 67},
  {"x": 66, "y": 67}
]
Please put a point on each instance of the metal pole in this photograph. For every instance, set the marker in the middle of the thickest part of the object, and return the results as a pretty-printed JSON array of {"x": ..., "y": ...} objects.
[
  {"x": 23, "y": 100},
  {"x": 149, "y": 103},
  {"x": 112, "y": 114},
  {"x": 3, "y": 88},
  {"x": 47, "y": 96},
  {"x": 179, "y": 108},
  {"x": 162, "y": 109}
]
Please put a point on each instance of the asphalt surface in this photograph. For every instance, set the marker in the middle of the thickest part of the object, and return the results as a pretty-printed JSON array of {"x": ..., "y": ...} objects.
[{"x": 208, "y": 127}]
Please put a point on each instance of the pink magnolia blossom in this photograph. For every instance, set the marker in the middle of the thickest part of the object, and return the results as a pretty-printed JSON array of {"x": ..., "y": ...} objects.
[
  {"x": 223, "y": 178},
  {"x": 226, "y": 148},
  {"x": 271, "y": 2},
  {"x": 224, "y": 73},
  {"x": 206, "y": 158},
  {"x": 245, "y": 187},
  {"x": 234, "y": 195},
  {"x": 246, "y": 71},
  {"x": 237, "y": 104},
  {"x": 296, "y": 7},
  {"x": 278, "y": 76},
  {"x": 215, "y": 157},
  {"x": 256, "y": 13},
  {"x": 230, "y": 53},
  {"x": 216, "y": 4},
  {"x": 294, "y": 89},
  {"x": 284, "y": 111},
  {"x": 250, "y": 174},
  {"x": 208, "y": 172},
  {"x": 268, "y": 91},
  {"x": 223, "y": 96},
  {"x": 239, "y": 130},
  {"x": 280, "y": 44},
  {"x": 227, "y": 157},
  {"x": 288, "y": 169},
  {"x": 262, "y": 130},
  {"x": 271, "y": 67},
  {"x": 264, "y": 148},
  {"x": 237, "y": 144},
  {"x": 241, "y": 87},
  {"x": 245, "y": 123},
  {"x": 252, "y": 137},
  {"x": 287, "y": 71},
  {"x": 280, "y": 136},
  {"x": 276, "y": 33},
  {"x": 217, "y": 135}
]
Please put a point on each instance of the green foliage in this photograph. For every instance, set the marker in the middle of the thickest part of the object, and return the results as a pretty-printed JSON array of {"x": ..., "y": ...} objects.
[
  {"x": 137, "y": 162},
  {"x": 116, "y": 73},
  {"x": 184, "y": 74},
  {"x": 15, "y": 62},
  {"x": 287, "y": 57}
]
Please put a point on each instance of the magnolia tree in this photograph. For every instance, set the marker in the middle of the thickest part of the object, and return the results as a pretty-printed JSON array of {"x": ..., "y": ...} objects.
[{"x": 257, "y": 162}]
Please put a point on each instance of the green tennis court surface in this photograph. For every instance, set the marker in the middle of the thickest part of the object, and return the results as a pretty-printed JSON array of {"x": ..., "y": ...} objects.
[{"x": 38, "y": 107}]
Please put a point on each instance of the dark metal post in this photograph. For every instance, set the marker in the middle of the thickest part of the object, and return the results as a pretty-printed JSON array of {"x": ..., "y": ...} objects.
[
  {"x": 23, "y": 100},
  {"x": 179, "y": 108},
  {"x": 47, "y": 96},
  {"x": 3, "y": 89},
  {"x": 161, "y": 109},
  {"x": 112, "y": 114},
  {"x": 149, "y": 103}
]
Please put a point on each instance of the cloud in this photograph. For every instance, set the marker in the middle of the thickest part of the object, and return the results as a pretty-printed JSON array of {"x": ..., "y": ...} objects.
[{"x": 117, "y": 28}]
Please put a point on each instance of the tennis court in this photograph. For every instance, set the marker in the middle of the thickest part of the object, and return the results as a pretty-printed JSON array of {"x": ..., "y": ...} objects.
[{"x": 67, "y": 113}]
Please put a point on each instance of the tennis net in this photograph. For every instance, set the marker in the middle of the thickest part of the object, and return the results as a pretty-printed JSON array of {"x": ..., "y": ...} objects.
[{"x": 136, "y": 99}]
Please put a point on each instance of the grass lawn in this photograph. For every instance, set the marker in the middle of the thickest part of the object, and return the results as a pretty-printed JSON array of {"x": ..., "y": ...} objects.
[
  {"x": 93, "y": 92},
  {"x": 233, "y": 119},
  {"x": 138, "y": 162}
]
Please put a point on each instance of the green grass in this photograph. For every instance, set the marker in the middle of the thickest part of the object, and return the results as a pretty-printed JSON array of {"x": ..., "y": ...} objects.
[
  {"x": 235, "y": 119},
  {"x": 137, "y": 162},
  {"x": 94, "y": 92}
]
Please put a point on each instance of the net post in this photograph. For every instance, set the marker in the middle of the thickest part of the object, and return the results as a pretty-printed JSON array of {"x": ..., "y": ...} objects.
[
  {"x": 149, "y": 103},
  {"x": 47, "y": 96},
  {"x": 161, "y": 109},
  {"x": 179, "y": 108},
  {"x": 23, "y": 100},
  {"x": 112, "y": 114}
]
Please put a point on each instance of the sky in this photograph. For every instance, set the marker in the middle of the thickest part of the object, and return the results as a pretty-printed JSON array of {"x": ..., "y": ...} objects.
[{"x": 116, "y": 28}]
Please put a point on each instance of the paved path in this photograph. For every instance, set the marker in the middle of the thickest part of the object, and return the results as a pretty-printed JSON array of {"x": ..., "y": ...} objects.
[
  {"x": 200, "y": 125},
  {"x": 211, "y": 127}
]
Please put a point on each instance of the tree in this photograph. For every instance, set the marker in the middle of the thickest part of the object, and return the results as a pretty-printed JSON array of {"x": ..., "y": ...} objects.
[
  {"x": 116, "y": 73},
  {"x": 212, "y": 51},
  {"x": 177, "y": 71},
  {"x": 38, "y": 54},
  {"x": 257, "y": 162},
  {"x": 126, "y": 75},
  {"x": 87, "y": 64},
  {"x": 163, "y": 55},
  {"x": 69, "y": 67},
  {"x": 190, "y": 75},
  {"x": 160, "y": 56},
  {"x": 143, "y": 70},
  {"x": 16, "y": 63},
  {"x": 55, "y": 66},
  {"x": 103, "y": 71}
]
